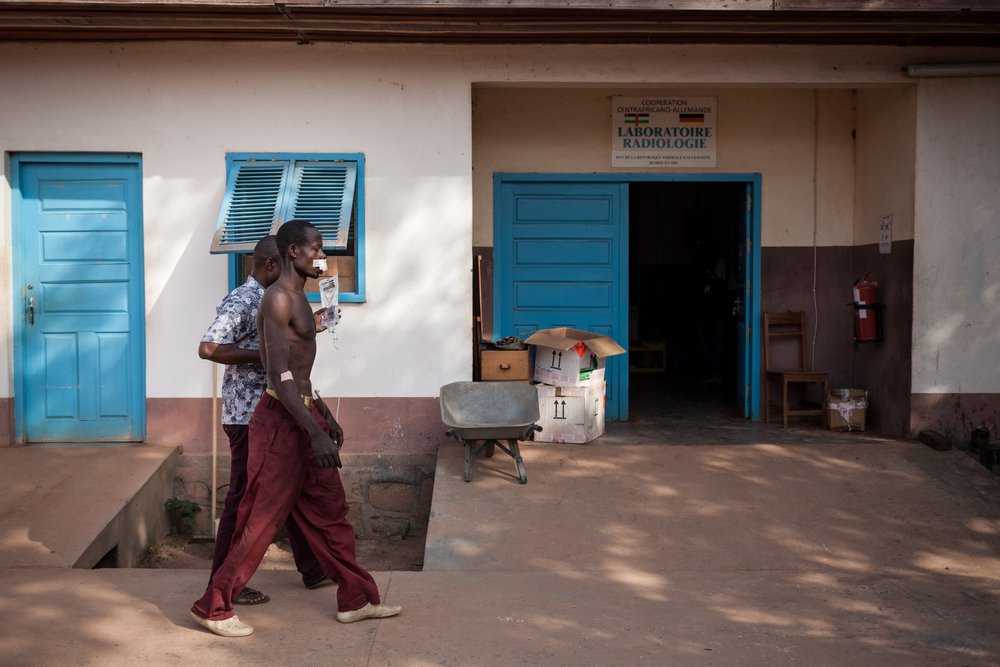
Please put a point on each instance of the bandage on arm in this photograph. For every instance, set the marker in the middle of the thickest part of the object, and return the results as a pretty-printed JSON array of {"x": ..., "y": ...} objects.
[{"x": 286, "y": 377}]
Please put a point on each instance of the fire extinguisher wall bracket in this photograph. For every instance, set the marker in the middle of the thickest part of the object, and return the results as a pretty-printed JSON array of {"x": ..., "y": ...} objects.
[{"x": 875, "y": 312}]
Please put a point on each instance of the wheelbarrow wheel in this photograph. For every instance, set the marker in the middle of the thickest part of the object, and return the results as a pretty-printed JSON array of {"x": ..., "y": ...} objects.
[{"x": 489, "y": 450}]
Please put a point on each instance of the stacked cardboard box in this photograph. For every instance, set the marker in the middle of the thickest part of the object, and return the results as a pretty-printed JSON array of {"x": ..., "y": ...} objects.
[{"x": 570, "y": 364}]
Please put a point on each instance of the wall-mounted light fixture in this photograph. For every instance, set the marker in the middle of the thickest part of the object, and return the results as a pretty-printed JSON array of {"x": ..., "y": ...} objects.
[{"x": 953, "y": 69}]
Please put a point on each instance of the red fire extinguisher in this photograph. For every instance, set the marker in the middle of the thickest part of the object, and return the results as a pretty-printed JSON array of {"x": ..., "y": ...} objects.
[{"x": 866, "y": 310}]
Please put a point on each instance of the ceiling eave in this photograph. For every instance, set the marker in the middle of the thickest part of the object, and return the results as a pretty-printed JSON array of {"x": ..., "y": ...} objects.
[{"x": 486, "y": 24}]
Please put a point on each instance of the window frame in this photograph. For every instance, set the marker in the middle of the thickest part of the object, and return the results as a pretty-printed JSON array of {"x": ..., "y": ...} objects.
[{"x": 357, "y": 296}]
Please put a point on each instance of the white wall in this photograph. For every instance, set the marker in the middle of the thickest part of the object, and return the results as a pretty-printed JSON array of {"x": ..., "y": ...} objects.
[
  {"x": 956, "y": 264},
  {"x": 183, "y": 106},
  {"x": 886, "y": 122}
]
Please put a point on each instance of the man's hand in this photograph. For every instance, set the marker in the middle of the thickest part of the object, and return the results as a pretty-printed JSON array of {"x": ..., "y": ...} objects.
[
  {"x": 318, "y": 319},
  {"x": 336, "y": 432},
  {"x": 327, "y": 450}
]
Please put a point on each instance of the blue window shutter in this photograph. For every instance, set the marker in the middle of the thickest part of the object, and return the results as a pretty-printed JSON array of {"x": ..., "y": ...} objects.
[
  {"x": 323, "y": 194},
  {"x": 254, "y": 193}
]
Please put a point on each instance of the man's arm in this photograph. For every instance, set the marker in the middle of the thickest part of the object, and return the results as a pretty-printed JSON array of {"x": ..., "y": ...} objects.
[
  {"x": 233, "y": 322},
  {"x": 276, "y": 316},
  {"x": 227, "y": 354}
]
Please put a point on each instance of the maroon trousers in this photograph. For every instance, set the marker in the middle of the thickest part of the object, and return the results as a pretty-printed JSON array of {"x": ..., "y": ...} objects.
[
  {"x": 283, "y": 478},
  {"x": 239, "y": 441}
]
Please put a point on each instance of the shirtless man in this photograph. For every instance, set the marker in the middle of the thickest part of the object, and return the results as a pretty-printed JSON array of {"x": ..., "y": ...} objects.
[
  {"x": 295, "y": 447},
  {"x": 232, "y": 340}
]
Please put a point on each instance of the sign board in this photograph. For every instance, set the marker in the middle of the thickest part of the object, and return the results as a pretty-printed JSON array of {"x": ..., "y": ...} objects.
[
  {"x": 885, "y": 234},
  {"x": 663, "y": 131}
]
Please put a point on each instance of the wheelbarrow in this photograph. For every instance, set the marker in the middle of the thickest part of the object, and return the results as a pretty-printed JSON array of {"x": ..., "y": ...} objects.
[{"x": 482, "y": 414}]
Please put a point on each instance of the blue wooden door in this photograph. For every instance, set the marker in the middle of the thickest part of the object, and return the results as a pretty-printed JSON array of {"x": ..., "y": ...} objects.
[
  {"x": 561, "y": 260},
  {"x": 80, "y": 283}
]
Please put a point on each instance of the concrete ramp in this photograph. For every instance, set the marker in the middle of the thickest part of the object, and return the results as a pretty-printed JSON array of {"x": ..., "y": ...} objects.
[
  {"x": 638, "y": 511},
  {"x": 69, "y": 506}
]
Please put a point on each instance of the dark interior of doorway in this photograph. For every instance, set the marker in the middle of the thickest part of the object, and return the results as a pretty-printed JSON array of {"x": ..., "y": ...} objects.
[{"x": 685, "y": 274}]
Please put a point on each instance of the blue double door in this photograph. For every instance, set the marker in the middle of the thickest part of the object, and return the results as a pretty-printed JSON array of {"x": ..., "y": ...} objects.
[
  {"x": 561, "y": 259},
  {"x": 79, "y": 287}
]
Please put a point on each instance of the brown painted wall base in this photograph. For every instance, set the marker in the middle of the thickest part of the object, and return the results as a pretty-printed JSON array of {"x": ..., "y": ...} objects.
[
  {"x": 371, "y": 425},
  {"x": 955, "y": 415},
  {"x": 6, "y": 422},
  {"x": 883, "y": 368},
  {"x": 182, "y": 421}
]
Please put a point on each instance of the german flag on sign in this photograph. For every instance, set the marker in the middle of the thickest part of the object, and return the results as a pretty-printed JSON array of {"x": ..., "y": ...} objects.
[{"x": 692, "y": 118}]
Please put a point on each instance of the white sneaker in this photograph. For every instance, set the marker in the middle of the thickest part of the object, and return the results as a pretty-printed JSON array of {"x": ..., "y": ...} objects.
[
  {"x": 231, "y": 627},
  {"x": 369, "y": 611}
]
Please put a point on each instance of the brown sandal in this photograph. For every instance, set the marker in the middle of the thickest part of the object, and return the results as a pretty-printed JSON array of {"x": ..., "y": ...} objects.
[{"x": 251, "y": 596}]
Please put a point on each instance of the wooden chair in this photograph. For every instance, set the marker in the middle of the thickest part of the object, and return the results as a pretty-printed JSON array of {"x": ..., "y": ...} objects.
[{"x": 789, "y": 326}]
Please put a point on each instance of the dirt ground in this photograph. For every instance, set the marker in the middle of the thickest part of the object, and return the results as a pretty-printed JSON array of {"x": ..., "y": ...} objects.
[{"x": 380, "y": 555}]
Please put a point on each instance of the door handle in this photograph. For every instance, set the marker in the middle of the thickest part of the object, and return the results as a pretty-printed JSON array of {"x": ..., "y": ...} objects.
[{"x": 31, "y": 310}]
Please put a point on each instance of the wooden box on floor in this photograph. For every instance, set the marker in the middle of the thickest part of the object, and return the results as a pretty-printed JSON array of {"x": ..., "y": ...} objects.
[{"x": 505, "y": 365}]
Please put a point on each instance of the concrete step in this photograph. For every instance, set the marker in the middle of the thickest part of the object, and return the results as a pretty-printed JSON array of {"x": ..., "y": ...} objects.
[{"x": 70, "y": 505}]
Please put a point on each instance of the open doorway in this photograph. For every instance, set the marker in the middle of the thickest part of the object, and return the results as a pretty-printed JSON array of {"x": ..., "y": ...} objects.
[
  {"x": 587, "y": 235},
  {"x": 686, "y": 281}
]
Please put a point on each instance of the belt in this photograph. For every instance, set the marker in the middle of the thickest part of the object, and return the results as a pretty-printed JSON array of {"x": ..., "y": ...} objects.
[{"x": 308, "y": 400}]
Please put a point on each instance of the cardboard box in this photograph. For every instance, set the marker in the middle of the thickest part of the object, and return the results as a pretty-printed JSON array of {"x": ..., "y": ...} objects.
[
  {"x": 570, "y": 414},
  {"x": 567, "y": 357},
  {"x": 846, "y": 409}
]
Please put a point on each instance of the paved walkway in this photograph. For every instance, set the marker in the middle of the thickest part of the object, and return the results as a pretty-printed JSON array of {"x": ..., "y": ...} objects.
[{"x": 780, "y": 547}]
